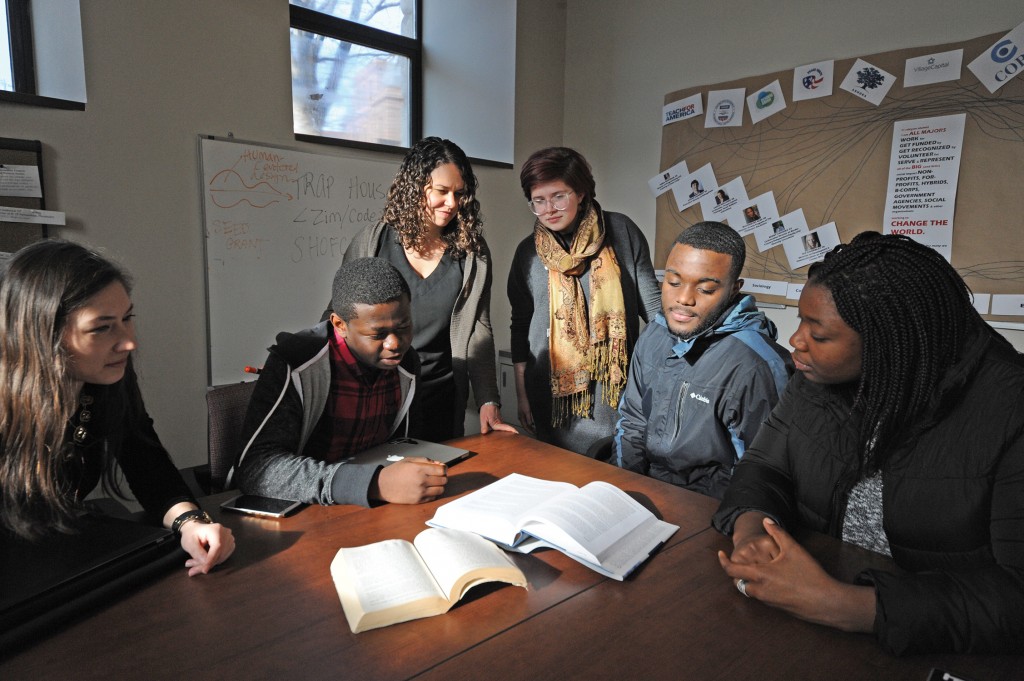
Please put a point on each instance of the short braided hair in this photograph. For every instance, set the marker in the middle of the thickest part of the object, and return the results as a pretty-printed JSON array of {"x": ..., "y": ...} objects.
[
  {"x": 366, "y": 281},
  {"x": 914, "y": 314}
]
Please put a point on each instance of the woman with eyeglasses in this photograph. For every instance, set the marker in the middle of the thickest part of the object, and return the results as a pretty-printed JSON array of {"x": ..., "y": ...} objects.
[
  {"x": 578, "y": 286},
  {"x": 431, "y": 232},
  {"x": 71, "y": 414}
]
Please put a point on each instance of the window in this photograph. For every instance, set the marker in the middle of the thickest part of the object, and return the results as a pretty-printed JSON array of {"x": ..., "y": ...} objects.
[
  {"x": 41, "y": 53},
  {"x": 356, "y": 76},
  {"x": 6, "y": 73},
  {"x": 17, "y": 48}
]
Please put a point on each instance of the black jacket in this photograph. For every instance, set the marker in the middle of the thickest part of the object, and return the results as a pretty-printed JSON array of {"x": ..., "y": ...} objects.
[
  {"x": 953, "y": 500},
  {"x": 122, "y": 427},
  {"x": 289, "y": 399}
]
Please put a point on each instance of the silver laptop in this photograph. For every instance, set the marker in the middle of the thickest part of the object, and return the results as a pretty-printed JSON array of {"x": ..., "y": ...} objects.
[{"x": 400, "y": 448}]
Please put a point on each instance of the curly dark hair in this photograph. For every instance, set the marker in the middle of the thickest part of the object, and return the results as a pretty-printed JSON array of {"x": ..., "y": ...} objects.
[
  {"x": 914, "y": 315},
  {"x": 405, "y": 208}
]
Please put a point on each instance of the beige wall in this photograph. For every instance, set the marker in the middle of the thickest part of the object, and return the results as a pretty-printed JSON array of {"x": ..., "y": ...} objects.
[
  {"x": 540, "y": 100},
  {"x": 590, "y": 73},
  {"x": 622, "y": 58},
  {"x": 125, "y": 170}
]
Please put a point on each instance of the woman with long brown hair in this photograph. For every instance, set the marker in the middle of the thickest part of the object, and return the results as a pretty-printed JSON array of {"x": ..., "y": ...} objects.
[{"x": 71, "y": 414}]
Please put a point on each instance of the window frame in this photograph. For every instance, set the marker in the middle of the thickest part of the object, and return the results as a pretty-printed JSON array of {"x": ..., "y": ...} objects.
[
  {"x": 311, "y": 21},
  {"x": 23, "y": 64}
]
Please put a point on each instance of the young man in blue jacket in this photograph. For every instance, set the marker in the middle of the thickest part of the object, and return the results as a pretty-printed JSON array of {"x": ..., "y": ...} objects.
[
  {"x": 705, "y": 373},
  {"x": 336, "y": 389}
]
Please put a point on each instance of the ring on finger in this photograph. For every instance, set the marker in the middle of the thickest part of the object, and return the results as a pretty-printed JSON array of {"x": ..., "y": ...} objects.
[{"x": 741, "y": 586}]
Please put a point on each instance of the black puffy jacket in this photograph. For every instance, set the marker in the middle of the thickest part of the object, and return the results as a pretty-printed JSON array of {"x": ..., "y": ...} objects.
[{"x": 953, "y": 500}]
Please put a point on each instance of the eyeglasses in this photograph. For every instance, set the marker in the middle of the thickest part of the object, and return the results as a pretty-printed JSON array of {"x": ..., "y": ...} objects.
[{"x": 558, "y": 202}]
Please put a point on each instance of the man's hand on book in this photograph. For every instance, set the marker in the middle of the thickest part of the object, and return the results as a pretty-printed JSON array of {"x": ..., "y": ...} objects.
[{"x": 413, "y": 481}]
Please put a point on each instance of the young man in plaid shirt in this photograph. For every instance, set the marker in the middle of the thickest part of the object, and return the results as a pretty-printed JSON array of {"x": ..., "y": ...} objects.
[{"x": 336, "y": 389}]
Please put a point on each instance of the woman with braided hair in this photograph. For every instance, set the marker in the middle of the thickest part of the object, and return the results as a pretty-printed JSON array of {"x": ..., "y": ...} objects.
[{"x": 904, "y": 434}]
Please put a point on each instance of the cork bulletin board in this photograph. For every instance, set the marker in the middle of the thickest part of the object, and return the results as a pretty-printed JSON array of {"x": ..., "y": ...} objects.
[{"x": 830, "y": 157}]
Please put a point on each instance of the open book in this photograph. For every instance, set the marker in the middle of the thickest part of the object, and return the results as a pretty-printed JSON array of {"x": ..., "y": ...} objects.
[
  {"x": 394, "y": 581},
  {"x": 597, "y": 524}
]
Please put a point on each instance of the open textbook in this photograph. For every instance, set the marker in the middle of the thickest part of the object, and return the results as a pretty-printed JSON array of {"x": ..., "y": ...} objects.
[
  {"x": 597, "y": 524},
  {"x": 395, "y": 581}
]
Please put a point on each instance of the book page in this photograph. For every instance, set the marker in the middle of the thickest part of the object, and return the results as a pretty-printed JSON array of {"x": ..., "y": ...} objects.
[
  {"x": 493, "y": 511},
  {"x": 587, "y": 522},
  {"x": 386, "y": 574},
  {"x": 451, "y": 555},
  {"x": 623, "y": 557}
]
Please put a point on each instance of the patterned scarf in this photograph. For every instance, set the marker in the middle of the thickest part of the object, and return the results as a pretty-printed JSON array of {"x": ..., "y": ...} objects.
[{"x": 583, "y": 351}]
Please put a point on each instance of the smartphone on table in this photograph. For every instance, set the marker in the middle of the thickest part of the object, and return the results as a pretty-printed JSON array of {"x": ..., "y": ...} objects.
[{"x": 267, "y": 507}]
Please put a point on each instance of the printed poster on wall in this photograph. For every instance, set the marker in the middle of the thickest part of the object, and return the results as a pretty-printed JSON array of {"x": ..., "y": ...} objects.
[
  {"x": 694, "y": 186},
  {"x": 766, "y": 102},
  {"x": 753, "y": 213},
  {"x": 924, "y": 167},
  {"x": 933, "y": 68},
  {"x": 868, "y": 82},
  {"x": 20, "y": 181},
  {"x": 811, "y": 247}
]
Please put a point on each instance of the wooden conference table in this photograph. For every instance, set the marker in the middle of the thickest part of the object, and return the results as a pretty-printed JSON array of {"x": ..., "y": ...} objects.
[{"x": 272, "y": 611}]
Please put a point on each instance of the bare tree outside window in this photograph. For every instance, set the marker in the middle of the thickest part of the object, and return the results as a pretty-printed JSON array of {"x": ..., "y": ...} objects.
[{"x": 348, "y": 90}]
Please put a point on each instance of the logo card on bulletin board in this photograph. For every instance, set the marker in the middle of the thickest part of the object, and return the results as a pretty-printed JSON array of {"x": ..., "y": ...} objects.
[{"x": 725, "y": 108}]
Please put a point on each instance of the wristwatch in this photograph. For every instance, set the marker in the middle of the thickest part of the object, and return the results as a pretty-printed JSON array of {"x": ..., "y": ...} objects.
[{"x": 196, "y": 514}]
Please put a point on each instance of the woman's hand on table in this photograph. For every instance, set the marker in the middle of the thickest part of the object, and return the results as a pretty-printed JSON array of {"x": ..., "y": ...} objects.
[
  {"x": 490, "y": 419},
  {"x": 794, "y": 582},
  {"x": 207, "y": 544}
]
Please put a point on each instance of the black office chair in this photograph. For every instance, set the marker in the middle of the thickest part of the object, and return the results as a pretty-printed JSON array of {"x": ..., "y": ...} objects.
[{"x": 225, "y": 407}]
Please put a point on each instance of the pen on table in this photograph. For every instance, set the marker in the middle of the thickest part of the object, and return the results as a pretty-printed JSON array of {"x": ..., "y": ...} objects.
[{"x": 253, "y": 370}]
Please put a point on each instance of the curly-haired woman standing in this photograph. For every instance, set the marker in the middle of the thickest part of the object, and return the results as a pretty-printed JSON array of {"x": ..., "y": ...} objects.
[{"x": 430, "y": 231}]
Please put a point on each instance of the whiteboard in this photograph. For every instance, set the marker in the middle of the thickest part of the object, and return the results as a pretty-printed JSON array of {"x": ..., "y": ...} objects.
[{"x": 276, "y": 223}]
